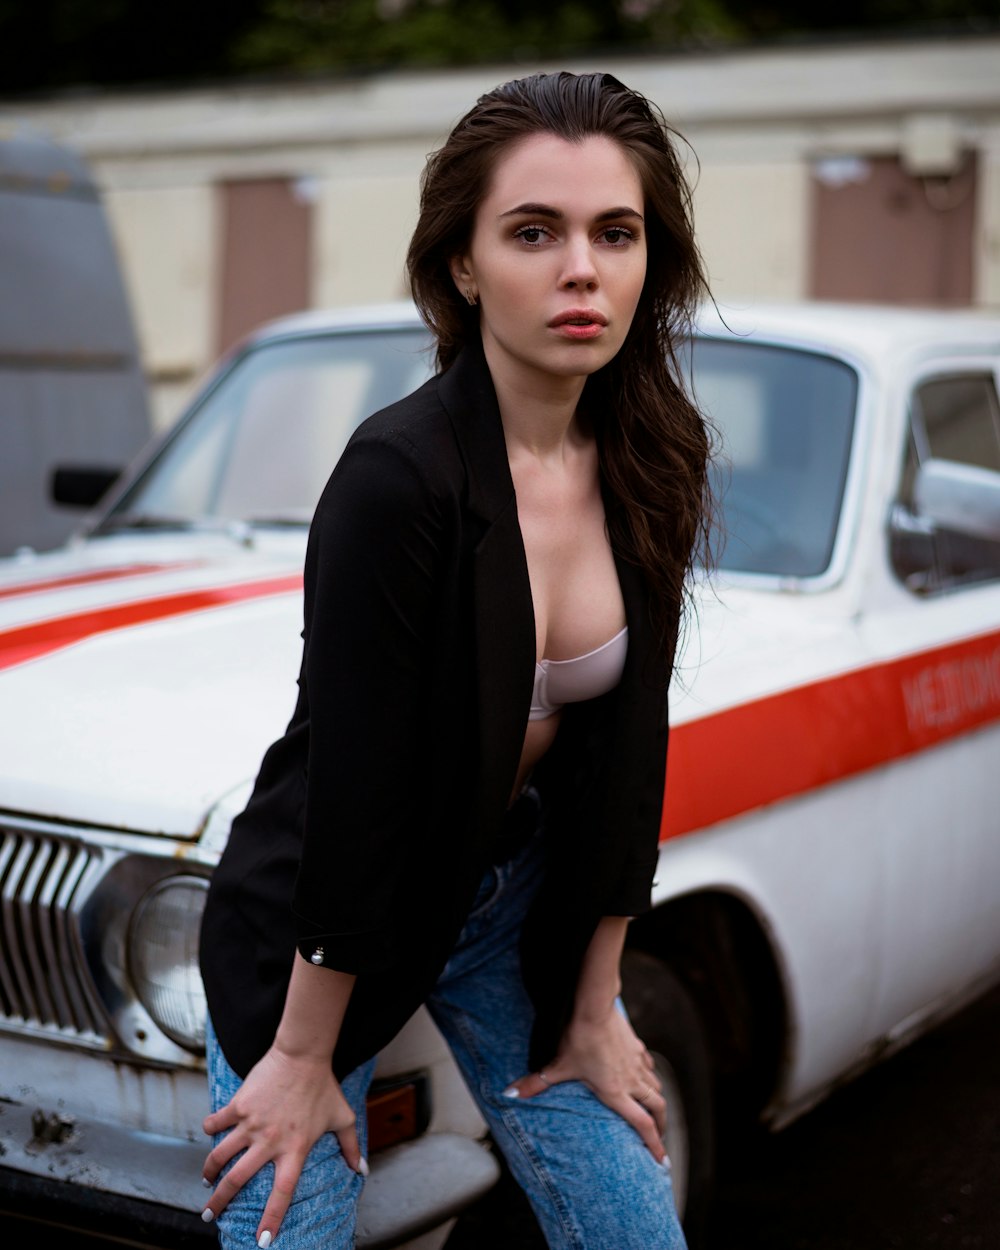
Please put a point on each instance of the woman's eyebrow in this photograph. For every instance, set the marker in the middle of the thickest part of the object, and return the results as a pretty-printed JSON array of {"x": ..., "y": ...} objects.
[
  {"x": 613, "y": 213},
  {"x": 555, "y": 214}
]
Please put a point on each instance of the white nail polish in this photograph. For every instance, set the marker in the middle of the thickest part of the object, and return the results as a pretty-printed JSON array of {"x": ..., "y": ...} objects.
[
  {"x": 206, "y": 1182},
  {"x": 512, "y": 1092},
  {"x": 207, "y": 1216},
  {"x": 264, "y": 1240},
  {"x": 363, "y": 1168}
]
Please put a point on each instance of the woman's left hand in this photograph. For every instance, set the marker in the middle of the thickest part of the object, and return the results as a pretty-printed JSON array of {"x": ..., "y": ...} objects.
[{"x": 607, "y": 1056}]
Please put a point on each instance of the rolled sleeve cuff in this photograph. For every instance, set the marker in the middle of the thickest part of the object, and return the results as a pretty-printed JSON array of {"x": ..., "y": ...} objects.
[
  {"x": 355, "y": 953},
  {"x": 632, "y": 895}
]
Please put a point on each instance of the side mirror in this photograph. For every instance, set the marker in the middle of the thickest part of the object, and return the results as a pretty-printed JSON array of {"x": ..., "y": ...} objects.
[
  {"x": 958, "y": 497},
  {"x": 80, "y": 486}
]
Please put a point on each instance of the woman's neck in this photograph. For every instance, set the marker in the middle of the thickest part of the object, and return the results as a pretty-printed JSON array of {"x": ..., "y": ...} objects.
[{"x": 538, "y": 411}]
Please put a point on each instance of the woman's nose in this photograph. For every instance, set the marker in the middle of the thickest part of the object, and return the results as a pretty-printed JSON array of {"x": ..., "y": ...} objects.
[{"x": 579, "y": 270}]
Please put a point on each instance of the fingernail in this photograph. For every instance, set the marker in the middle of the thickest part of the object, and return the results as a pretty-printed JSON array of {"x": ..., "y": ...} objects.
[
  {"x": 206, "y": 1182},
  {"x": 208, "y": 1215},
  {"x": 363, "y": 1167},
  {"x": 264, "y": 1240},
  {"x": 665, "y": 1163},
  {"x": 512, "y": 1092}
]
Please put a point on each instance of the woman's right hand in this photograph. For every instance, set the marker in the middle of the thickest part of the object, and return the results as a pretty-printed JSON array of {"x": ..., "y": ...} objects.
[{"x": 281, "y": 1110}]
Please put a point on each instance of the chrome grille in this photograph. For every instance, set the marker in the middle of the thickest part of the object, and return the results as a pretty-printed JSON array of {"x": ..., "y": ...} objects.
[{"x": 44, "y": 984}]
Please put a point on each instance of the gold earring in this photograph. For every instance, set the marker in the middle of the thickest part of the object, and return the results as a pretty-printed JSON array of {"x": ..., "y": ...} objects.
[{"x": 471, "y": 296}]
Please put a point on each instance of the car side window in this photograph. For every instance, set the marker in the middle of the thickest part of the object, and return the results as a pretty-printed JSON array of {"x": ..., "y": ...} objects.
[
  {"x": 958, "y": 419},
  {"x": 954, "y": 418}
]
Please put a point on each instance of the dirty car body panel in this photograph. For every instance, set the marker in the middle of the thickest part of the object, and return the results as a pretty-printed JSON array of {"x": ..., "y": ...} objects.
[
  {"x": 835, "y": 727},
  {"x": 146, "y": 667}
]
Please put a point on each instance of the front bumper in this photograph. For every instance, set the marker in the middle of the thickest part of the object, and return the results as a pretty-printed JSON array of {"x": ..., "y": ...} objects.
[{"x": 102, "y": 1177}]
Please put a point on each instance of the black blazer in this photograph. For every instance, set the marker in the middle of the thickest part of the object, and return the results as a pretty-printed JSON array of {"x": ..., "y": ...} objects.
[{"x": 373, "y": 816}]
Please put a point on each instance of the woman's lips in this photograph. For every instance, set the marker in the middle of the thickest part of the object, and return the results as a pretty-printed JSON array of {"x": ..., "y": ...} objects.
[
  {"x": 570, "y": 330},
  {"x": 579, "y": 323}
]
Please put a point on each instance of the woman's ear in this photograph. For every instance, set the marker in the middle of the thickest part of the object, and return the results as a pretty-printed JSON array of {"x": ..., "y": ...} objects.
[{"x": 461, "y": 275}]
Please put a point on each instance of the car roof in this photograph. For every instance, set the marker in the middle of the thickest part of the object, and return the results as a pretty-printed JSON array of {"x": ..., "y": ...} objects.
[
  {"x": 399, "y": 313},
  {"x": 862, "y": 330},
  {"x": 34, "y": 163}
]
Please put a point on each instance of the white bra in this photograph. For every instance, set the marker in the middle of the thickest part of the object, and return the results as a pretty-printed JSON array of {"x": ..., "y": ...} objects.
[{"x": 583, "y": 677}]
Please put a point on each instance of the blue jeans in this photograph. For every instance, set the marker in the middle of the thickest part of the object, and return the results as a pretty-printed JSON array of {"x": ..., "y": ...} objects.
[{"x": 591, "y": 1181}]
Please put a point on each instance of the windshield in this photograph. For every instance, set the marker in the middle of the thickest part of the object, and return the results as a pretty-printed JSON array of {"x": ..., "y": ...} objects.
[
  {"x": 261, "y": 445},
  {"x": 785, "y": 419}
]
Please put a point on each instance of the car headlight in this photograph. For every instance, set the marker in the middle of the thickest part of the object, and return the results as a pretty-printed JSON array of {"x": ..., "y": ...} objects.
[{"x": 163, "y": 958}]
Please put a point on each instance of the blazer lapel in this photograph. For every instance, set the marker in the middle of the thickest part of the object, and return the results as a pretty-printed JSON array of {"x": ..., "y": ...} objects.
[{"x": 504, "y": 614}]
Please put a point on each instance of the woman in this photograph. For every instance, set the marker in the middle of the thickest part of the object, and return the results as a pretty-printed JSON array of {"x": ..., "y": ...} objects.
[{"x": 465, "y": 806}]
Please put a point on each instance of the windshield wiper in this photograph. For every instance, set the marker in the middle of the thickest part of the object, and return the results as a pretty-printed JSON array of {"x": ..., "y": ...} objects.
[
  {"x": 279, "y": 521},
  {"x": 145, "y": 521}
]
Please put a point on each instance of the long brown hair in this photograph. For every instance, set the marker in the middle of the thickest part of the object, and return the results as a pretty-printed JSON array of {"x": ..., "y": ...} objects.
[{"x": 654, "y": 444}]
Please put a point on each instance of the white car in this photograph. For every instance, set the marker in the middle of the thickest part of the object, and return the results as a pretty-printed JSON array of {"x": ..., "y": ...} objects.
[{"x": 829, "y": 883}]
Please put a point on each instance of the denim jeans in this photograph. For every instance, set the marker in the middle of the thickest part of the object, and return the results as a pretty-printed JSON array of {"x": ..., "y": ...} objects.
[{"x": 591, "y": 1181}]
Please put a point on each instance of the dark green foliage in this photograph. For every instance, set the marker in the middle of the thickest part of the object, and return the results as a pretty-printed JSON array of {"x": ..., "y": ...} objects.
[
  {"x": 55, "y": 43},
  {"x": 48, "y": 44}
]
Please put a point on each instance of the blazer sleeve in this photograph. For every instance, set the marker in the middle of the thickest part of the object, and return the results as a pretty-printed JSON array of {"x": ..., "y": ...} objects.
[
  {"x": 646, "y": 739},
  {"x": 631, "y": 893},
  {"x": 371, "y": 572}
]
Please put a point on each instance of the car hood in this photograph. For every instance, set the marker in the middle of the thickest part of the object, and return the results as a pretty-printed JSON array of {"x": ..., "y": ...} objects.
[{"x": 141, "y": 681}]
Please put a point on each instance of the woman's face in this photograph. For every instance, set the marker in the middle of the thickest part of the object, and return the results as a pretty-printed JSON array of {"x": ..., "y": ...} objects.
[{"x": 557, "y": 257}]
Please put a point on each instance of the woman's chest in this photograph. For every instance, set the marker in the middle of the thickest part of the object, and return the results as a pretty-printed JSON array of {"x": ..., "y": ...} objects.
[{"x": 575, "y": 593}]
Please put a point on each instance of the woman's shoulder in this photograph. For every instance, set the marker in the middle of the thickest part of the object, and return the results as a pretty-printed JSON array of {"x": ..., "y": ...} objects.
[
  {"x": 406, "y": 449},
  {"x": 417, "y": 426}
]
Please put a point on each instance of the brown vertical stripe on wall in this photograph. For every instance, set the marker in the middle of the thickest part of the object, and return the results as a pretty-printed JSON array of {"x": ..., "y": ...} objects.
[
  {"x": 883, "y": 234},
  {"x": 265, "y": 255}
]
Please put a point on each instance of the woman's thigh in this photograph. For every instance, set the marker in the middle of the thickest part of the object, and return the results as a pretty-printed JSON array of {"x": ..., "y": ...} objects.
[
  {"x": 590, "y": 1179},
  {"x": 323, "y": 1212}
]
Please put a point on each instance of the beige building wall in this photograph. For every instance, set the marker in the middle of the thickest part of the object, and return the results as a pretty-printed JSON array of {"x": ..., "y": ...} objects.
[
  {"x": 752, "y": 227},
  {"x": 168, "y": 240},
  {"x": 759, "y": 123},
  {"x": 363, "y": 225},
  {"x": 986, "y": 263}
]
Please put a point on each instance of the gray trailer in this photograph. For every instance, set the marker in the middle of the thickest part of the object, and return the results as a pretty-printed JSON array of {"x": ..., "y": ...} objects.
[{"x": 72, "y": 388}]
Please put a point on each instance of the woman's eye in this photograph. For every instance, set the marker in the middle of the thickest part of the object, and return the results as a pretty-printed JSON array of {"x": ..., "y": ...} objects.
[
  {"x": 618, "y": 236},
  {"x": 530, "y": 234}
]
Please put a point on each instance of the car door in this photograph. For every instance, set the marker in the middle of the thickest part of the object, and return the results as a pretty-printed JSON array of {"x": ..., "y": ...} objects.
[{"x": 938, "y": 642}]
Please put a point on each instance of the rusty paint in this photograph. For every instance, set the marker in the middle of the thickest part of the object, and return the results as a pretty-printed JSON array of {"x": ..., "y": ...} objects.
[{"x": 51, "y": 1129}]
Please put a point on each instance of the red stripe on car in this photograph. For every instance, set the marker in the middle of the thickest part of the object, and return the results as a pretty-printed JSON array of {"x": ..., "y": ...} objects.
[
  {"x": 28, "y": 642},
  {"x": 86, "y": 579},
  {"x": 788, "y": 743}
]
